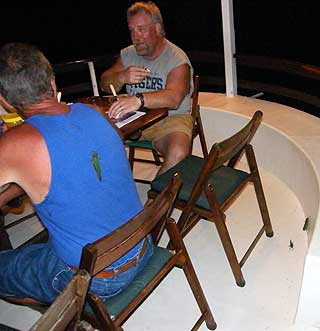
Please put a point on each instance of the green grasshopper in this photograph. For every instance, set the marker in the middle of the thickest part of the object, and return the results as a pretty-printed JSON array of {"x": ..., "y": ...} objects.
[{"x": 96, "y": 165}]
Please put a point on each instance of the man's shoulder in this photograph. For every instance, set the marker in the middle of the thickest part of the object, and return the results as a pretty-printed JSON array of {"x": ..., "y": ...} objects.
[
  {"x": 128, "y": 50},
  {"x": 20, "y": 144},
  {"x": 175, "y": 48},
  {"x": 23, "y": 134},
  {"x": 174, "y": 56}
]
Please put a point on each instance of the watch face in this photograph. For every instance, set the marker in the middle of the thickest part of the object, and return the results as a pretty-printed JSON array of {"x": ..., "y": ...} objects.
[{"x": 141, "y": 98}]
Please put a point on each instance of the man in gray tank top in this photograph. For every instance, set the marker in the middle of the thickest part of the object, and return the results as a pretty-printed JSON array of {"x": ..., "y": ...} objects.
[{"x": 156, "y": 74}]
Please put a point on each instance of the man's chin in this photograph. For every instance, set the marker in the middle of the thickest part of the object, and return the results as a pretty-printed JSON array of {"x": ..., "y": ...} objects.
[{"x": 141, "y": 51}]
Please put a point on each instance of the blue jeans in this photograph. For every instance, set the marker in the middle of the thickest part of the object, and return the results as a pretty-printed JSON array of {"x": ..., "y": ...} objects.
[{"x": 37, "y": 272}]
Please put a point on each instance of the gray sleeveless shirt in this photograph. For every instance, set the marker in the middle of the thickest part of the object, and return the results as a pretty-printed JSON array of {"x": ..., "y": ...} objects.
[{"x": 171, "y": 57}]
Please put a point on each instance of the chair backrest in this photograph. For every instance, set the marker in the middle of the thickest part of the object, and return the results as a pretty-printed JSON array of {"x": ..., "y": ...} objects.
[
  {"x": 195, "y": 113},
  {"x": 100, "y": 254},
  {"x": 227, "y": 151},
  {"x": 111, "y": 313},
  {"x": 66, "y": 310},
  {"x": 195, "y": 95}
]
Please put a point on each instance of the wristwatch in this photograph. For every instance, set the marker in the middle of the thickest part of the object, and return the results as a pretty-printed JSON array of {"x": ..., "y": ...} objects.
[{"x": 141, "y": 98}]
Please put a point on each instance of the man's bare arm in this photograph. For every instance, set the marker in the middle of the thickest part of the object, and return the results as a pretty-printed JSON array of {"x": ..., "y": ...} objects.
[
  {"x": 9, "y": 190},
  {"x": 177, "y": 87},
  {"x": 25, "y": 161},
  {"x": 112, "y": 76},
  {"x": 117, "y": 75}
]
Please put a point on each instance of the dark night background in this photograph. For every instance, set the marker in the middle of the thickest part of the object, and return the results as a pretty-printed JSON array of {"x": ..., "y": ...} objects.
[
  {"x": 280, "y": 29},
  {"x": 67, "y": 31}
]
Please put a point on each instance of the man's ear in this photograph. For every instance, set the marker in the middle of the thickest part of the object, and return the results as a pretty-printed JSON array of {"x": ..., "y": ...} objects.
[
  {"x": 54, "y": 87},
  {"x": 158, "y": 29},
  {"x": 6, "y": 105}
]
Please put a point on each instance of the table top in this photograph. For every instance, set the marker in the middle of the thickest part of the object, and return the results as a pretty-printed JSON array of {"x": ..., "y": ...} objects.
[{"x": 102, "y": 104}]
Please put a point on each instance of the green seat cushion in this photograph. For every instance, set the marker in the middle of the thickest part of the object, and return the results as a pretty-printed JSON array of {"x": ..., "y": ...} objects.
[
  {"x": 117, "y": 303},
  {"x": 139, "y": 143},
  {"x": 224, "y": 180}
]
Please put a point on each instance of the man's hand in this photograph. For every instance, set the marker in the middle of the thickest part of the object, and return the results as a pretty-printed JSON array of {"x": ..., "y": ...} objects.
[
  {"x": 118, "y": 76},
  {"x": 133, "y": 75},
  {"x": 124, "y": 105}
]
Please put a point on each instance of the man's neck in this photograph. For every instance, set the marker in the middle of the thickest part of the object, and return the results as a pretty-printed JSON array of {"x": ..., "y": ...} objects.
[
  {"x": 46, "y": 107},
  {"x": 158, "y": 50}
]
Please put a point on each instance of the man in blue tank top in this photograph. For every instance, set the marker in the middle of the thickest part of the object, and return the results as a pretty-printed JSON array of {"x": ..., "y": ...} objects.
[
  {"x": 72, "y": 164},
  {"x": 156, "y": 74}
]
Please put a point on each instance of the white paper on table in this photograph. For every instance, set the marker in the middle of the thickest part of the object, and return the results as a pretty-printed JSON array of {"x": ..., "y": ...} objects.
[{"x": 138, "y": 114}]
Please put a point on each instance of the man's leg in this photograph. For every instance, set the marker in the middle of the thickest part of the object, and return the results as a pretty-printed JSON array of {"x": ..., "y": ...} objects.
[
  {"x": 174, "y": 147},
  {"x": 32, "y": 272}
]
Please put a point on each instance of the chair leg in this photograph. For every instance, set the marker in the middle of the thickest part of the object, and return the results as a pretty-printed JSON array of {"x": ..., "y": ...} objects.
[
  {"x": 219, "y": 220},
  {"x": 263, "y": 206},
  {"x": 192, "y": 221},
  {"x": 131, "y": 156},
  {"x": 223, "y": 233},
  {"x": 100, "y": 317},
  {"x": 202, "y": 137},
  {"x": 259, "y": 191},
  {"x": 193, "y": 280},
  {"x": 156, "y": 157},
  {"x": 186, "y": 222}
]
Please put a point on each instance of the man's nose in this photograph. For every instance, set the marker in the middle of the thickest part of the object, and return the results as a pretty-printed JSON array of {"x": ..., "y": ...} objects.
[{"x": 135, "y": 34}]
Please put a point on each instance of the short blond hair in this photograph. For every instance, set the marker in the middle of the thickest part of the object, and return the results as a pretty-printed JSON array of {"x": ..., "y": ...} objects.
[{"x": 151, "y": 9}]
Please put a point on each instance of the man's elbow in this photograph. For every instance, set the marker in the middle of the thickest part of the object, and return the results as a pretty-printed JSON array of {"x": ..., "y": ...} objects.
[
  {"x": 176, "y": 101},
  {"x": 103, "y": 85}
]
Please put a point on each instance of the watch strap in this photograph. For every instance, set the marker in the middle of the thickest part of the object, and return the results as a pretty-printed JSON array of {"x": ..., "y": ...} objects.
[{"x": 140, "y": 96}]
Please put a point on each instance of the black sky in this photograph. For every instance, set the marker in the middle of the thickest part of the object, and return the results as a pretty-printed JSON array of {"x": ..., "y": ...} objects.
[{"x": 283, "y": 29}]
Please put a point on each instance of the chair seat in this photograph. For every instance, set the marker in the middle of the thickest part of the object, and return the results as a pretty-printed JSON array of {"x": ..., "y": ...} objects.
[
  {"x": 116, "y": 304},
  {"x": 224, "y": 180},
  {"x": 139, "y": 143}
]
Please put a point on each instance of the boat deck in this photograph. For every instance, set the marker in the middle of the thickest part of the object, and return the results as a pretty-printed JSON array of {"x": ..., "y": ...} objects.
[{"x": 273, "y": 272}]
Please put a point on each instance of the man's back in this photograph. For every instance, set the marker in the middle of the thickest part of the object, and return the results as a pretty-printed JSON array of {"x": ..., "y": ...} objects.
[
  {"x": 72, "y": 164},
  {"x": 90, "y": 180}
]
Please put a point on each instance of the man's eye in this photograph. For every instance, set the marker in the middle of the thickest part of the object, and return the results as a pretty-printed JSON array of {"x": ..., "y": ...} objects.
[{"x": 141, "y": 29}]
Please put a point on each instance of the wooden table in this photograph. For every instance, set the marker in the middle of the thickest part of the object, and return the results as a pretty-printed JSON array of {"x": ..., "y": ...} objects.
[{"x": 102, "y": 104}]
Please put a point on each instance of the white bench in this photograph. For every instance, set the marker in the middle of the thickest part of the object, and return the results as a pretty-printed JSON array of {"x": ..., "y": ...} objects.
[{"x": 288, "y": 146}]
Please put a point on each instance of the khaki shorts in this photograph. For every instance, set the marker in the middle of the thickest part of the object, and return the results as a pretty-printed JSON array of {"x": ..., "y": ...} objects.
[{"x": 175, "y": 123}]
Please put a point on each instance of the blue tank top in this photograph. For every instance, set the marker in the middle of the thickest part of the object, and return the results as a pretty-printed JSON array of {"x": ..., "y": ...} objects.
[{"x": 85, "y": 203}]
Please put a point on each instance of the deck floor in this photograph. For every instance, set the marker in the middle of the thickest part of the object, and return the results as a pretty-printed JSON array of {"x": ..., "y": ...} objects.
[{"x": 273, "y": 272}]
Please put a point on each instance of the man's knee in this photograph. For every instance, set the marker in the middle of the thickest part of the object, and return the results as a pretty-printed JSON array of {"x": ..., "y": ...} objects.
[
  {"x": 178, "y": 150},
  {"x": 174, "y": 146},
  {"x": 174, "y": 155},
  {"x": 177, "y": 153}
]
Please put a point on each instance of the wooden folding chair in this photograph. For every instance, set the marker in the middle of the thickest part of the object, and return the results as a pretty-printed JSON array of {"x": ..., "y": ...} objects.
[
  {"x": 226, "y": 182},
  {"x": 147, "y": 145},
  {"x": 66, "y": 310},
  {"x": 111, "y": 313}
]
